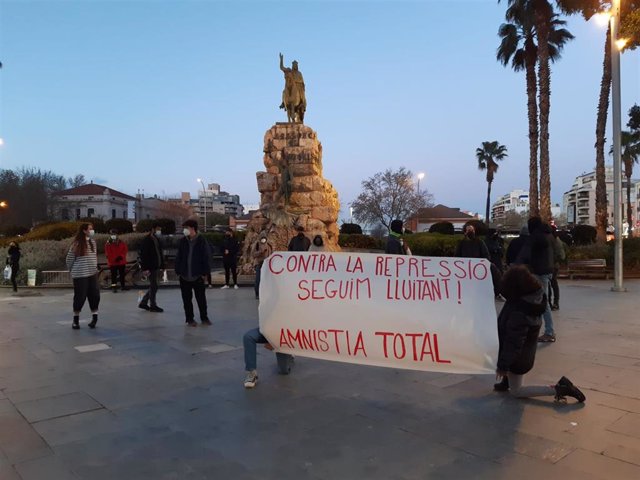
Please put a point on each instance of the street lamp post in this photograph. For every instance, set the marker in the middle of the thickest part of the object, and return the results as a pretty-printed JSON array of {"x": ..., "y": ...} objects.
[
  {"x": 420, "y": 177},
  {"x": 616, "y": 120},
  {"x": 204, "y": 193}
]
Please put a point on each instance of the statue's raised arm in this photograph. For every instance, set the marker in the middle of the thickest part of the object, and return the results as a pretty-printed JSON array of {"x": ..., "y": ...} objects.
[{"x": 282, "y": 67}]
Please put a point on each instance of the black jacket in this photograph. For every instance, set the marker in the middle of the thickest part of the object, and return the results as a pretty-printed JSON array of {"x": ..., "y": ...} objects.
[
  {"x": 13, "y": 256},
  {"x": 515, "y": 248},
  {"x": 200, "y": 258},
  {"x": 472, "y": 248},
  {"x": 542, "y": 258},
  {"x": 519, "y": 324},
  {"x": 230, "y": 245},
  {"x": 151, "y": 257},
  {"x": 299, "y": 243},
  {"x": 394, "y": 247}
]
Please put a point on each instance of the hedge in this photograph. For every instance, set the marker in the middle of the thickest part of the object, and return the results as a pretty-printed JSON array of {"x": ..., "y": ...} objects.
[
  {"x": 445, "y": 228},
  {"x": 168, "y": 226},
  {"x": 350, "y": 229},
  {"x": 356, "y": 240},
  {"x": 433, "y": 244},
  {"x": 119, "y": 224},
  {"x": 584, "y": 234}
]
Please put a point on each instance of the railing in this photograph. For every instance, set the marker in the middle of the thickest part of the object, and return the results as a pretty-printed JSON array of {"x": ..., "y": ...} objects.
[{"x": 56, "y": 277}]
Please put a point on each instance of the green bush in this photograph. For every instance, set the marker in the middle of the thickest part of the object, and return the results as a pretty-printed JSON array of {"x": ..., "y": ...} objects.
[
  {"x": 445, "y": 228},
  {"x": 433, "y": 244},
  {"x": 350, "y": 229},
  {"x": 98, "y": 224},
  {"x": 40, "y": 255},
  {"x": 356, "y": 240},
  {"x": 13, "y": 230},
  {"x": 584, "y": 234},
  {"x": 119, "y": 224}
]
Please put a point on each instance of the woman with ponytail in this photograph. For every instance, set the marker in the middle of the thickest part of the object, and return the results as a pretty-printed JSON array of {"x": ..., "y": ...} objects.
[{"x": 82, "y": 262}]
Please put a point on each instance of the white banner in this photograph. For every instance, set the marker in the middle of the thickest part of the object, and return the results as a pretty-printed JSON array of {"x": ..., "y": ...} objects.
[{"x": 419, "y": 313}]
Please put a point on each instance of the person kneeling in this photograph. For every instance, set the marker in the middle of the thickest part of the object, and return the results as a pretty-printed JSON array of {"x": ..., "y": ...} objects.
[
  {"x": 519, "y": 324},
  {"x": 250, "y": 341}
]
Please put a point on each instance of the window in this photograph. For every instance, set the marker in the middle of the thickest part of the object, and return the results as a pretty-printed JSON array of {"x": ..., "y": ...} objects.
[
  {"x": 124, "y": 214},
  {"x": 77, "y": 214},
  {"x": 113, "y": 213},
  {"x": 90, "y": 212},
  {"x": 65, "y": 214}
]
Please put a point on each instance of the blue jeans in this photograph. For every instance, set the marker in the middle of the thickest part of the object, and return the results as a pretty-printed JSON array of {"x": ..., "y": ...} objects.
[
  {"x": 250, "y": 341},
  {"x": 545, "y": 280}
]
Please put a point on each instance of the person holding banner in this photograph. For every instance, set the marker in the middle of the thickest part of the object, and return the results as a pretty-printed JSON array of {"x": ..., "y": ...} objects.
[
  {"x": 395, "y": 243},
  {"x": 519, "y": 324},
  {"x": 250, "y": 341}
]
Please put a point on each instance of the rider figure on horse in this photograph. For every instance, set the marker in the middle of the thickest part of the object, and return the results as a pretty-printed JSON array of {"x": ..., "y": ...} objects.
[{"x": 293, "y": 96}]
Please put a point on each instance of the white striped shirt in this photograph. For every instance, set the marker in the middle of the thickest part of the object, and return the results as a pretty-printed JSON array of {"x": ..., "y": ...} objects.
[{"x": 86, "y": 265}]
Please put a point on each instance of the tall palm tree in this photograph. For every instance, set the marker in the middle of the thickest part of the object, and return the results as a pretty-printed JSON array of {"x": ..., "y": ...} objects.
[
  {"x": 519, "y": 45},
  {"x": 487, "y": 156},
  {"x": 630, "y": 143}
]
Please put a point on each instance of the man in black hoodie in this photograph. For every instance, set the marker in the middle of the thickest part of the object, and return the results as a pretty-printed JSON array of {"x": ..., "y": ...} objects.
[
  {"x": 541, "y": 264},
  {"x": 230, "y": 247},
  {"x": 395, "y": 243},
  {"x": 151, "y": 261},
  {"x": 299, "y": 243}
]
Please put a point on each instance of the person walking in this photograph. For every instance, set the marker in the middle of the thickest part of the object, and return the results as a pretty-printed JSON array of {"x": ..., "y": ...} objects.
[
  {"x": 559, "y": 257},
  {"x": 260, "y": 253},
  {"x": 116, "y": 252},
  {"x": 230, "y": 248},
  {"x": 82, "y": 262},
  {"x": 300, "y": 242},
  {"x": 13, "y": 260},
  {"x": 151, "y": 262},
  {"x": 541, "y": 265},
  {"x": 519, "y": 324},
  {"x": 193, "y": 261},
  {"x": 317, "y": 245}
]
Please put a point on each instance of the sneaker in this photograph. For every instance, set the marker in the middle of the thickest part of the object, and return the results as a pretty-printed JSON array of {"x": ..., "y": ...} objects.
[
  {"x": 143, "y": 306},
  {"x": 235, "y": 287},
  {"x": 251, "y": 379},
  {"x": 224, "y": 287},
  {"x": 502, "y": 386},
  {"x": 206, "y": 322},
  {"x": 156, "y": 308},
  {"x": 564, "y": 388},
  {"x": 547, "y": 338},
  {"x": 191, "y": 323}
]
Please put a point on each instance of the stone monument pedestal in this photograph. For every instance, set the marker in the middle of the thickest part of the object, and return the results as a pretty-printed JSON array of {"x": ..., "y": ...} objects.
[{"x": 293, "y": 192}]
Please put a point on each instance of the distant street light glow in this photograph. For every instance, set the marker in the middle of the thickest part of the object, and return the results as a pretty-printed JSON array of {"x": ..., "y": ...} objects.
[
  {"x": 1, "y": 141},
  {"x": 602, "y": 18}
]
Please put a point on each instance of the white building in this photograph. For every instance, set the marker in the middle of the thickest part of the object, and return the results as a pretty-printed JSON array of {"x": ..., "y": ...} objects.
[
  {"x": 213, "y": 200},
  {"x": 516, "y": 201},
  {"x": 579, "y": 203},
  {"x": 91, "y": 201}
]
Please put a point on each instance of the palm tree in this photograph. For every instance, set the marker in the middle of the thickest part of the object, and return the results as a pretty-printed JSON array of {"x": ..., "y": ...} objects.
[
  {"x": 519, "y": 45},
  {"x": 630, "y": 143},
  {"x": 487, "y": 155}
]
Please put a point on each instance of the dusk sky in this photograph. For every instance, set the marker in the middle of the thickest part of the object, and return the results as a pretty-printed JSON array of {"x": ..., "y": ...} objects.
[{"x": 154, "y": 94}]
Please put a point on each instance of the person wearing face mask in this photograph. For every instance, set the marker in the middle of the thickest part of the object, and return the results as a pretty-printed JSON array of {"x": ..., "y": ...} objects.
[
  {"x": 193, "y": 262},
  {"x": 13, "y": 260},
  {"x": 260, "y": 253},
  {"x": 230, "y": 247},
  {"x": 317, "y": 245},
  {"x": 395, "y": 242},
  {"x": 299, "y": 243},
  {"x": 151, "y": 261},
  {"x": 471, "y": 246},
  {"x": 116, "y": 253},
  {"x": 82, "y": 262}
]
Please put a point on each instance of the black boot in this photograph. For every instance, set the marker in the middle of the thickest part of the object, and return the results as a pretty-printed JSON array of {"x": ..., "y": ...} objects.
[
  {"x": 76, "y": 322},
  {"x": 564, "y": 388},
  {"x": 503, "y": 385},
  {"x": 94, "y": 320}
]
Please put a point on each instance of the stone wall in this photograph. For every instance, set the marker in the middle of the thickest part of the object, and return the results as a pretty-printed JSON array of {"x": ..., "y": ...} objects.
[{"x": 293, "y": 192}]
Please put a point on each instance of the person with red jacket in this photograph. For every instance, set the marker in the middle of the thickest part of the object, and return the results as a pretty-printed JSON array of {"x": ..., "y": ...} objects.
[{"x": 116, "y": 251}]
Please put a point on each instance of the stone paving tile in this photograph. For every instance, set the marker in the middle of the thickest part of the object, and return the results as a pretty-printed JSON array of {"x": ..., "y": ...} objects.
[
  {"x": 45, "y": 467},
  {"x": 600, "y": 465},
  {"x": 58, "y": 406},
  {"x": 626, "y": 454},
  {"x": 81, "y": 426},
  {"x": 629, "y": 425},
  {"x": 18, "y": 440}
]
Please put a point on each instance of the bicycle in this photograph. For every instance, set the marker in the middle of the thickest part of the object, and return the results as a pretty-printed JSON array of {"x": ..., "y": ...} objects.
[{"x": 133, "y": 275}]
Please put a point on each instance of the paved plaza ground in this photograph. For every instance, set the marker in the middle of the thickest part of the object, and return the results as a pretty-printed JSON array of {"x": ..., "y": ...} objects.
[{"x": 162, "y": 401}]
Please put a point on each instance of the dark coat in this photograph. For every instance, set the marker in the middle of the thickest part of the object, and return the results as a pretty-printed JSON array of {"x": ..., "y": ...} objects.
[
  {"x": 200, "y": 259},
  {"x": 394, "y": 246},
  {"x": 542, "y": 258},
  {"x": 519, "y": 324},
  {"x": 299, "y": 243},
  {"x": 495, "y": 245},
  {"x": 472, "y": 248},
  {"x": 151, "y": 257},
  {"x": 13, "y": 257},
  {"x": 230, "y": 248},
  {"x": 515, "y": 248}
]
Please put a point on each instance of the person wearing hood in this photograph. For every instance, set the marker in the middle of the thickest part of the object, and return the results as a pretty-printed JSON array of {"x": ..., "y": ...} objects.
[
  {"x": 299, "y": 243},
  {"x": 116, "y": 252},
  {"x": 13, "y": 260},
  {"x": 230, "y": 248},
  {"x": 471, "y": 246},
  {"x": 517, "y": 246},
  {"x": 519, "y": 324},
  {"x": 318, "y": 244},
  {"x": 395, "y": 242}
]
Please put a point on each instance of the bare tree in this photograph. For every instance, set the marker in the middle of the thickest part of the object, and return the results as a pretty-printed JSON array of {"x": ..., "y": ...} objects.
[
  {"x": 389, "y": 195},
  {"x": 77, "y": 181}
]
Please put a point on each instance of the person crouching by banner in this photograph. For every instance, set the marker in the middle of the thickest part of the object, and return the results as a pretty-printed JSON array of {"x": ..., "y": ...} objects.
[
  {"x": 13, "y": 260},
  {"x": 250, "y": 341},
  {"x": 260, "y": 253},
  {"x": 519, "y": 324},
  {"x": 116, "y": 252},
  {"x": 82, "y": 262},
  {"x": 395, "y": 242}
]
